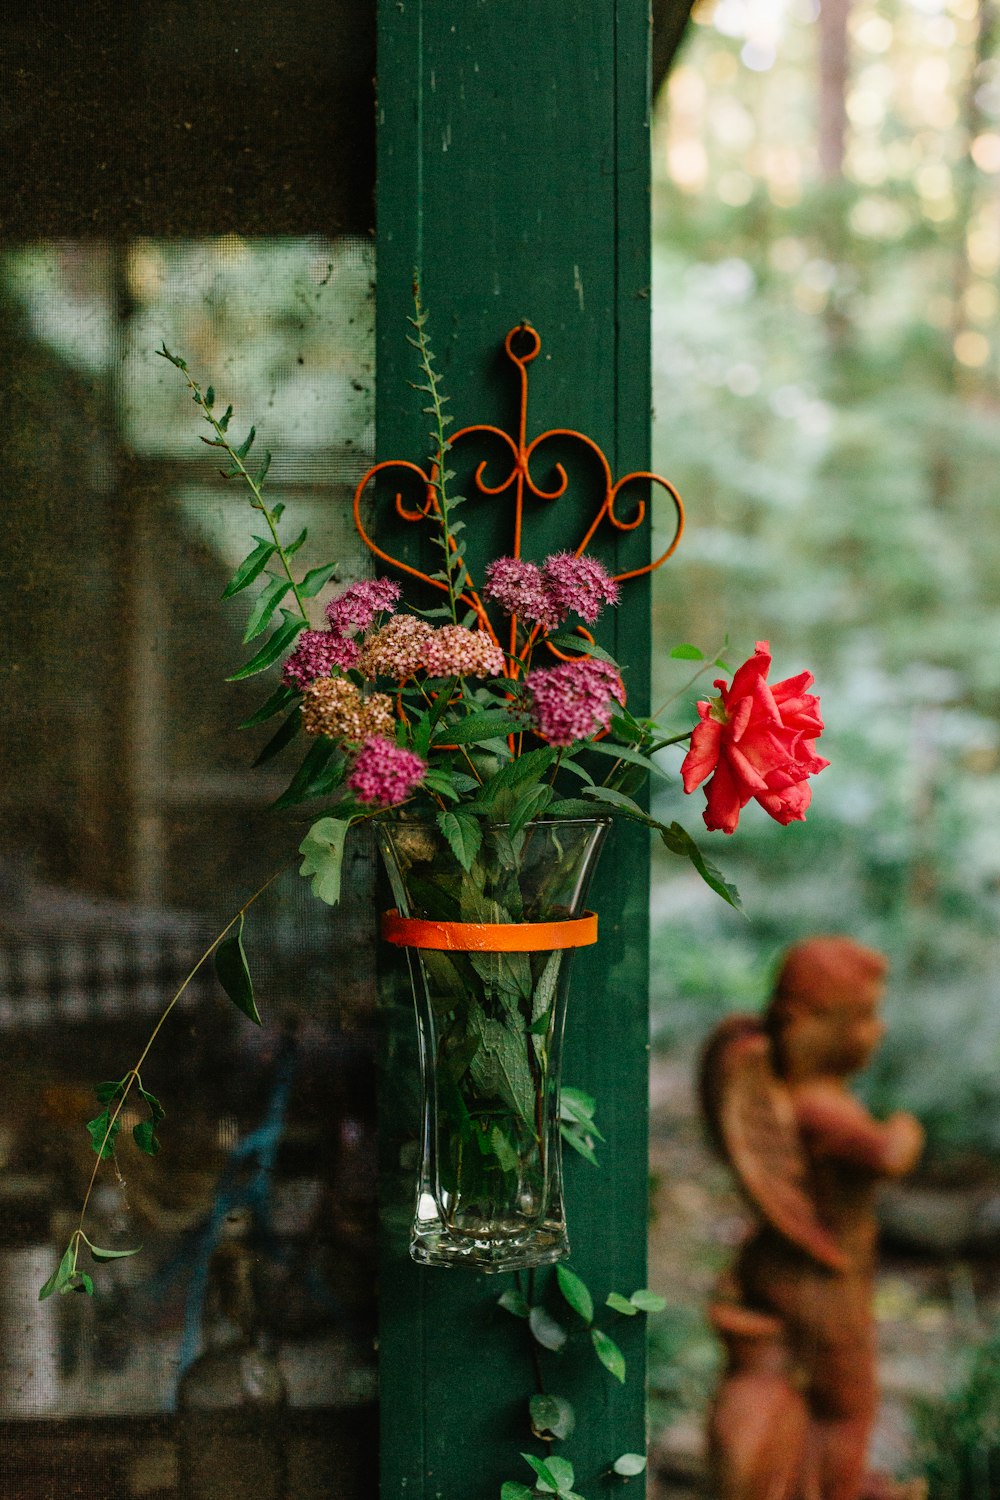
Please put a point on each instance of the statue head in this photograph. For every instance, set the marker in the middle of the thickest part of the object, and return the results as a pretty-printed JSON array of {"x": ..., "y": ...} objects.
[{"x": 823, "y": 1015}]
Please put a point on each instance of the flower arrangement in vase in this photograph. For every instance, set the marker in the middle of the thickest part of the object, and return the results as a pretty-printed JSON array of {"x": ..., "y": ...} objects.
[{"x": 489, "y": 740}]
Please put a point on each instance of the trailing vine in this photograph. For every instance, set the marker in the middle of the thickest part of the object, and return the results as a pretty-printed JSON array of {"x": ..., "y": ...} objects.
[{"x": 446, "y": 718}]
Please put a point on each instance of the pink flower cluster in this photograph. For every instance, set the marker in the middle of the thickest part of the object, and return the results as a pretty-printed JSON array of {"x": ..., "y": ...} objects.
[
  {"x": 318, "y": 653},
  {"x": 396, "y": 649},
  {"x": 454, "y": 651},
  {"x": 384, "y": 773},
  {"x": 573, "y": 701},
  {"x": 519, "y": 589},
  {"x": 356, "y": 608},
  {"x": 406, "y": 644},
  {"x": 578, "y": 585},
  {"x": 564, "y": 584}
]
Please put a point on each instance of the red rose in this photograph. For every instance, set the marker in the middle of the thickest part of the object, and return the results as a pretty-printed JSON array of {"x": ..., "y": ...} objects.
[{"x": 756, "y": 741}]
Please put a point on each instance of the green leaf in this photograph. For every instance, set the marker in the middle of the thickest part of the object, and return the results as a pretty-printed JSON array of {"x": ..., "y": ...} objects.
[
  {"x": 292, "y": 547},
  {"x": 323, "y": 857},
  {"x": 679, "y": 841},
  {"x": 552, "y": 1414},
  {"x": 629, "y": 1464},
  {"x": 322, "y": 771},
  {"x": 103, "y": 1131},
  {"x": 261, "y": 475},
  {"x": 500, "y": 1064},
  {"x": 174, "y": 359},
  {"x": 562, "y": 1471},
  {"x": 569, "y": 764},
  {"x": 574, "y": 1104},
  {"x": 531, "y": 804},
  {"x": 108, "y": 1091},
  {"x": 566, "y": 641},
  {"x": 609, "y": 1354},
  {"x": 608, "y": 794},
  {"x": 621, "y": 1304},
  {"x": 502, "y": 1149},
  {"x": 647, "y": 1301},
  {"x": 144, "y": 1134},
  {"x": 547, "y": 1332},
  {"x": 441, "y": 782},
  {"x": 281, "y": 737},
  {"x": 265, "y": 604},
  {"x": 687, "y": 653},
  {"x": 624, "y": 752},
  {"x": 100, "y": 1254},
  {"x": 576, "y": 1293},
  {"x": 577, "y": 807},
  {"x": 547, "y": 1480},
  {"x": 512, "y": 1490},
  {"x": 61, "y": 1275},
  {"x": 574, "y": 1137},
  {"x": 250, "y": 567},
  {"x": 233, "y": 972},
  {"x": 269, "y": 653},
  {"x": 316, "y": 579},
  {"x": 513, "y": 1302},
  {"x": 210, "y": 396},
  {"x": 246, "y": 445},
  {"x": 226, "y": 418},
  {"x": 545, "y": 989},
  {"x": 481, "y": 727},
  {"x": 464, "y": 834},
  {"x": 279, "y": 699},
  {"x": 79, "y": 1282}
]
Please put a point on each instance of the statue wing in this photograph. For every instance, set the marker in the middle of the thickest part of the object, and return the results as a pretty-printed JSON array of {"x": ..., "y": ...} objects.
[{"x": 751, "y": 1120}]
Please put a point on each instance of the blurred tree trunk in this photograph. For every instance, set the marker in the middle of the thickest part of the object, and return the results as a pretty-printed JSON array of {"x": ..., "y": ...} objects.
[
  {"x": 834, "y": 68},
  {"x": 670, "y": 20},
  {"x": 973, "y": 121}
]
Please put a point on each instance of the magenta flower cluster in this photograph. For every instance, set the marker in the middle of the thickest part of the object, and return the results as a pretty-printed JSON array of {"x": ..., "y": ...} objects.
[
  {"x": 573, "y": 701},
  {"x": 564, "y": 584},
  {"x": 355, "y": 609},
  {"x": 384, "y": 773},
  {"x": 318, "y": 653}
]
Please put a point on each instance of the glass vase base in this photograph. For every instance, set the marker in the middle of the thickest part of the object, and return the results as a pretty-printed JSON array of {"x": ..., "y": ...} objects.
[{"x": 435, "y": 1244}]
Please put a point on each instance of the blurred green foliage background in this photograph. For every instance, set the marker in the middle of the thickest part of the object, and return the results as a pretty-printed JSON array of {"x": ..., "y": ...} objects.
[{"x": 827, "y": 211}]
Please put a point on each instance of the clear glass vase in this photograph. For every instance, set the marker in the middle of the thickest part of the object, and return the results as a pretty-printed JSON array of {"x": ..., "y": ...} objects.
[{"x": 490, "y": 1018}]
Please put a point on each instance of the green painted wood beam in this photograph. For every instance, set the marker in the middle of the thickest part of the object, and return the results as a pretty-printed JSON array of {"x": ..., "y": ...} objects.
[{"x": 513, "y": 178}]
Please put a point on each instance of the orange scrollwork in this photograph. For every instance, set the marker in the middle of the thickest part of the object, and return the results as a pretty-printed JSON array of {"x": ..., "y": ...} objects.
[{"x": 521, "y": 345}]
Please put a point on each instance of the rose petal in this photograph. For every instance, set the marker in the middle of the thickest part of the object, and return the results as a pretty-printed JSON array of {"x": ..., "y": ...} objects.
[
  {"x": 725, "y": 799},
  {"x": 703, "y": 756},
  {"x": 789, "y": 806}
]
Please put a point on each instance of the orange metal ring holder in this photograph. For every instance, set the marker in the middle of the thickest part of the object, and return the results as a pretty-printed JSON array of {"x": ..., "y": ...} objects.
[{"x": 489, "y": 937}]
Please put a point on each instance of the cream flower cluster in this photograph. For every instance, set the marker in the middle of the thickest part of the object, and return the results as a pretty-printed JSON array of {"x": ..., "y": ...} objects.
[
  {"x": 406, "y": 644},
  {"x": 334, "y": 706}
]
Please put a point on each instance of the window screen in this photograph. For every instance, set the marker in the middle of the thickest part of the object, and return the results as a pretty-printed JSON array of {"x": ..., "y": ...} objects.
[{"x": 173, "y": 175}]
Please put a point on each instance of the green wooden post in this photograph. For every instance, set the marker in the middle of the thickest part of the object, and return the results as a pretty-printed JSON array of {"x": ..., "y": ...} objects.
[{"x": 513, "y": 177}]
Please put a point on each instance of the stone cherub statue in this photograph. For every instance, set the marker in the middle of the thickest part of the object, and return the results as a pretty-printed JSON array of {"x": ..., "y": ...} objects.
[{"x": 795, "y": 1407}]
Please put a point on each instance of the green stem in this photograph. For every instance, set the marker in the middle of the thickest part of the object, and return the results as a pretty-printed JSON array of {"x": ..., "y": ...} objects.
[
  {"x": 253, "y": 485},
  {"x": 132, "y": 1076},
  {"x": 452, "y": 561},
  {"x": 706, "y": 664},
  {"x": 536, "y": 1362},
  {"x": 677, "y": 739}
]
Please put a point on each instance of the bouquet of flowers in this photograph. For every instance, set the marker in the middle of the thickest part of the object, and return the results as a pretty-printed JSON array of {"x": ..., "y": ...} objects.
[
  {"x": 490, "y": 740},
  {"x": 488, "y": 737}
]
